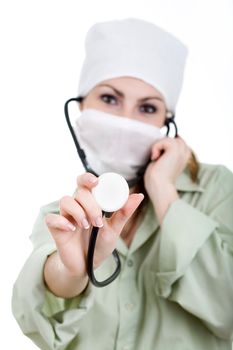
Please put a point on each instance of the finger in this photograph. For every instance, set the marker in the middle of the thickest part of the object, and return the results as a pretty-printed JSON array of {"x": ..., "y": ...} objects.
[
  {"x": 90, "y": 206},
  {"x": 181, "y": 141},
  {"x": 161, "y": 146},
  {"x": 189, "y": 155},
  {"x": 120, "y": 218},
  {"x": 156, "y": 153},
  {"x": 185, "y": 148},
  {"x": 158, "y": 148},
  {"x": 176, "y": 144},
  {"x": 87, "y": 180},
  {"x": 58, "y": 222},
  {"x": 70, "y": 207}
]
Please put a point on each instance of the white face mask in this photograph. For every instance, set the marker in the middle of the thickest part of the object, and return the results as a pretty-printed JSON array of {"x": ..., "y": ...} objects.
[{"x": 114, "y": 143}]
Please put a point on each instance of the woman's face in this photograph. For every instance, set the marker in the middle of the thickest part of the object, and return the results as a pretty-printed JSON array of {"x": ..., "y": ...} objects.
[{"x": 128, "y": 97}]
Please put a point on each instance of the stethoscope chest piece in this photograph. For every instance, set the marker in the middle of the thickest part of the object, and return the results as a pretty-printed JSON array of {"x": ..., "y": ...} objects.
[{"x": 111, "y": 192}]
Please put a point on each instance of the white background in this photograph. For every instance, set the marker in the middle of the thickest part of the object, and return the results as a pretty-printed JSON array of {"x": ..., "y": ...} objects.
[{"x": 42, "y": 48}]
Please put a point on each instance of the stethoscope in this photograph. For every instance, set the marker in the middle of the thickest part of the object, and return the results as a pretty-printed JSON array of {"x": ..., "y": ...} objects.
[{"x": 95, "y": 230}]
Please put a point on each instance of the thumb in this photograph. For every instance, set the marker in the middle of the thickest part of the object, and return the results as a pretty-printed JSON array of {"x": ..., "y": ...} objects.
[{"x": 120, "y": 218}]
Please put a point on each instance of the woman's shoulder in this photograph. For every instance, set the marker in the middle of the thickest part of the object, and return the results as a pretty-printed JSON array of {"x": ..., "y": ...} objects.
[
  {"x": 214, "y": 176},
  {"x": 215, "y": 171}
]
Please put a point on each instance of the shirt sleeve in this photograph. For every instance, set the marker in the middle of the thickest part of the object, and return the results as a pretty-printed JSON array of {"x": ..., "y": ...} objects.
[
  {"x": 49, "y": 321},
  {"x": 196, "y": 257}
]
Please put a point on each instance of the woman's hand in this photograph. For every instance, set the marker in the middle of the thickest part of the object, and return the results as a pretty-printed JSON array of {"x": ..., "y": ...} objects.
[
  {"x": 169, "y": 158},
  {"x": 71, "y": 229}
]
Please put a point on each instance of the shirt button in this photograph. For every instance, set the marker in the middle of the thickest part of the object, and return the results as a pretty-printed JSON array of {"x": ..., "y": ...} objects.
[
  {"x": 129, "y": 306},
  {"x": 126, "y": 347},
  {"x": 130, "y": 263}
]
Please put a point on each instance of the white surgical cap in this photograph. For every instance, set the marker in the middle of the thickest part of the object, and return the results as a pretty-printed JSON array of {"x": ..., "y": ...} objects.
[{"x": 135, "y": 48}]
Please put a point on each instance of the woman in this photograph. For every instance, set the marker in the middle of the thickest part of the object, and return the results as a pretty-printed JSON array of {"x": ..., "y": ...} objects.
[{"x": 174, "y": 234}]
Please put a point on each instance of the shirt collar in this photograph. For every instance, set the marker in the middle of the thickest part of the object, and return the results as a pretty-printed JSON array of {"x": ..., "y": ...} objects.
[
  {"x": 147, "y": 226},
  {"x": 149, "y": 223},
  {"x": 185, "y": 184}
]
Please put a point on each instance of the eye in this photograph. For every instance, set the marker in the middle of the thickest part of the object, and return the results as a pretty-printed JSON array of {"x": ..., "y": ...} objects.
[
  {"x": 148, "y": 109},
  {"x": 109, "y": 99}
]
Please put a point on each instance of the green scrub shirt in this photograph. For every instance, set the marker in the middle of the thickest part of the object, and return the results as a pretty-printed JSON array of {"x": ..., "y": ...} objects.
[{"x": 175, "y": 290}]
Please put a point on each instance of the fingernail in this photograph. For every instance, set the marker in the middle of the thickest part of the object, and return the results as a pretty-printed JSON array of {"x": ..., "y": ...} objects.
[
  {"x": 93, "y": 179},
  {"x": 99, "y": 222},
  {"x": 85, "y": 223},
  {"x": 71, "y": 227},
  {"x": 142, "y": 195}
]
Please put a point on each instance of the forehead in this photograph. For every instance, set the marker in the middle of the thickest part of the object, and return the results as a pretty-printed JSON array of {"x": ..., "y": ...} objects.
[{"x": 130, "y": 84}]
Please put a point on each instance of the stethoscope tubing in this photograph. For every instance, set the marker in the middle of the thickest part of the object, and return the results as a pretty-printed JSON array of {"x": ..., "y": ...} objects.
[
  {"x": 94, "y": 230},
  {"x": 90, "y": 260}
]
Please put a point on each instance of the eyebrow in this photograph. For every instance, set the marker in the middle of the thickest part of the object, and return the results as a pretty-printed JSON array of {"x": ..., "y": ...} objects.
[{"x": 119, "y": 93}]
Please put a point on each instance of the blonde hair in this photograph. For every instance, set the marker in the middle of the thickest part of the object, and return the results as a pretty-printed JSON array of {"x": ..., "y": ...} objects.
[{"x": 193, "y": 167}]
